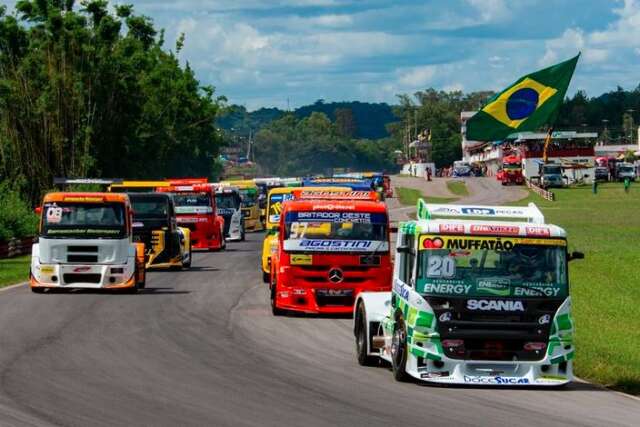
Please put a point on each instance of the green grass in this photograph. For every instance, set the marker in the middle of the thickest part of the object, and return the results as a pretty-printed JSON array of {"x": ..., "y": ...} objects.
[
  {"x": 459, "y": 188},
  {"x": 410, "y": 196},
  {"x": 14, "y": 270},
  {"x": 605, "y": 287}
]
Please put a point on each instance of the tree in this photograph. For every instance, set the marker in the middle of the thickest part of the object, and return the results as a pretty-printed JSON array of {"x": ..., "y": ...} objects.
[{"x": 87, "y": 92}]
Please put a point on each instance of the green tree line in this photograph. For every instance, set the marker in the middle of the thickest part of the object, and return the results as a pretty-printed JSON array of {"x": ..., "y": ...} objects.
[{"x": 89, "y": 92}]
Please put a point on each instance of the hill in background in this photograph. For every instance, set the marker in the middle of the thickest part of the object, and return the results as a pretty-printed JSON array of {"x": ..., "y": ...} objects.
[{"x": 369, "y": 119}]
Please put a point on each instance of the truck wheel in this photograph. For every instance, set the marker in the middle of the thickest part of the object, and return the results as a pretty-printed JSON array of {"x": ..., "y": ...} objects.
[
  {"x": 223, "y": 246},
  {"x": 242, "y": 235},
  {"x": 266, "y": 277},
  {"x": 275, "y": 310},
  {"x": 143, "y": 283},
  {"x": 399, "y": 352},
  {"x": 362, "y": 339},
  {"x": 188, "y": 263}
]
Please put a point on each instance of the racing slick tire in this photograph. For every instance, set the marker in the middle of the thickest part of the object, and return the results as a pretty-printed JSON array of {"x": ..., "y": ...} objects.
[
  {"x": 275, "y": 310},
  {"x": 142, "y": 283},
  {"x": 188, "y": 263},
  {"x": 399, "y": 351},
  {"x": 223, "y": 246},
  {"x": 361, "y": 338}
]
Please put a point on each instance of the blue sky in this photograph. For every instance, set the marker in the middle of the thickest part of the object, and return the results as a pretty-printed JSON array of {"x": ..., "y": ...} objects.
[{"x": 260, "y": 52}]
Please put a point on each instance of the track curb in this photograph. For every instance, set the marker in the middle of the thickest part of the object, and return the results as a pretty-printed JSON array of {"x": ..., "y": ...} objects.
[{"x": 17, "y": 285}]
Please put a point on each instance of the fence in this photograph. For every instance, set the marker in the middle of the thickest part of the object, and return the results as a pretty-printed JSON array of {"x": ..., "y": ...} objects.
[
  {"x": 15, "y": 247},
  {"x": 545, "y": 194}
]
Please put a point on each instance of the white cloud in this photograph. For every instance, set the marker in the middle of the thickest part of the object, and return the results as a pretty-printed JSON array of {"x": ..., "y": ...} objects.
[
  {"x": 491, "y": 10},
  {"x": 418, "y": 77}
]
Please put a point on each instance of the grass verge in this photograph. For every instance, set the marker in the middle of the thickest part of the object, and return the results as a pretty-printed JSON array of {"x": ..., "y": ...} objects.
[
  {"x": 459, "y": 188},
  {"x": 14, "y": 270},
  {"x": 604, "y": 286},
  {"x": 410, "y": 196}
]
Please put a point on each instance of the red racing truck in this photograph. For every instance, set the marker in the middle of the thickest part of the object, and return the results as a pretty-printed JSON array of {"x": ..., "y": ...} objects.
[
  {"x": 511, "y": 171},
  {"x": 196, "y": 210},
  {"x": 331, "y": 246}
]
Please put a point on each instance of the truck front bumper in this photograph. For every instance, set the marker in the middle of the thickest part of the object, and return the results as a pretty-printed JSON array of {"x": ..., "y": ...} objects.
[{"x": 90, "y": 276}]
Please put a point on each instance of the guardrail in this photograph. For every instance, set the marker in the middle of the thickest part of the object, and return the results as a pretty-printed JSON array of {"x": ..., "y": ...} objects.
[
  {"x": 545, "y": 194},
  {"x": 15, "y": 247}
]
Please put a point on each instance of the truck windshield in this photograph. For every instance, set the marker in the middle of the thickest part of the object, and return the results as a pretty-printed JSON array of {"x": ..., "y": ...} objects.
[
  {"x": 84, "y": 220},
  {"x": 492, "y": 266},
  {"x": 626, "y": 169},
  {"x": 249, "y": 197},
  {"x": 552, "y": 170},
  {"x": 150, "y": 206},
  {"x": 227, "y": 201},
  {"x": 511, "y": 166},
  {"x": 336, "y": 231},
  {"x": 192, "y": 199}
]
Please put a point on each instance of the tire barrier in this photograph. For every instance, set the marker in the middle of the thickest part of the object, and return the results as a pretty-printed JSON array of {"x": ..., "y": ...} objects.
[{"x": 15, "y": 247}]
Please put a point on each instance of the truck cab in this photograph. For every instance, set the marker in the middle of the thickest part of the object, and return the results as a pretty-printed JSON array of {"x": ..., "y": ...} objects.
[
  {"x": 551, "y": 175},
  {"x": 480, "y": 297},
  {"x": 195, "y": 206},
  {"x": 250, "y": 203},
  {"x": 331, "y": 247},
  {"x": 167, "y": 246},
  {"x": 511, "y": 171},
  {"x": 85, "y": 241},
  {"x": 229, "y": 207}
]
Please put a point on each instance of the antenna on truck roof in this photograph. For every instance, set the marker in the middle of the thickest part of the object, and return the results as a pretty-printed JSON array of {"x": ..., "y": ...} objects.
[{"x": 530, "y": 213}]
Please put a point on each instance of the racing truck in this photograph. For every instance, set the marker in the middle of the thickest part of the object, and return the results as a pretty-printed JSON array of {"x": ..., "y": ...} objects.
[
  {"x": 250, "y": 204},
  {"x": 331, "y": 246},
  {"x": 511, "y": 171},
  {"x": 167, "y": 246},
  {"x": 195, "y": 206},
  {"x": 480, "y": 297},
  {"x": 85, "y": 241},
  {"x": 229, "y": 207}
]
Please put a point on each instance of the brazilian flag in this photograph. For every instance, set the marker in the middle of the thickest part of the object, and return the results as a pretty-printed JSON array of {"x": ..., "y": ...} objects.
[{"x": 526, "y": 105}]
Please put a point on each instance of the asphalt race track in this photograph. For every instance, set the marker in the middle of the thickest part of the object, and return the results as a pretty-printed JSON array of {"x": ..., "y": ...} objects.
[{"x": 201, "y": 347}]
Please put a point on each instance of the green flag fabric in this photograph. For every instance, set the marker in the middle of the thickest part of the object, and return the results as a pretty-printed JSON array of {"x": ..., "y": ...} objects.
[{"x": 526, "y": 105}]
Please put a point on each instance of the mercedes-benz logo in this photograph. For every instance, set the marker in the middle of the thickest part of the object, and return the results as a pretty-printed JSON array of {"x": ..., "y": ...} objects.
[{"x": 336, "y": 275}]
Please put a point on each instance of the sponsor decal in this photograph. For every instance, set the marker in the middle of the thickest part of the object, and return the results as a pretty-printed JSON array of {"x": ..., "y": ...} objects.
[
  {"x": 502, "y": 230},
  {"x": 478, "y": 211},
  {"x": 346, "y": 195},
  {"x": 85, "y": 231},
  {"x": 537, "y": 231},
  {"x": 301, "y": 259},
  {"x": 527, "y": 290},
  {"x": 445, "y": 317},
  {"x": 193, "y": 210},
  {"x": 401, "y": 289},
  {"x": 138, "y": 224},
  {"x": 83, "y": 199},
  {"x": 338, "y": 217},
  {"x": 498, "y": 287},
  {"x": 451, "y": 228},
  {"x": 495, "y": 380},
  {"x": 447, "y": 288},
  {"x": 48, "y": 269},
  {"x": 435, "y": 374},
  {"x": 226, "y": 211},
  {"x": 494, "y": 305},
  {"x": 81, "y": 269},
  {"x": 54, "y": 215},
  {"x": 445, "y": 211},
  {"x": 320, "y": 245},
  {"x": 498, "y": 244},
  {"x": 435, "y": 243},
  {"x": 545, "y": 319},
  {"x": 334, "y": 292}
]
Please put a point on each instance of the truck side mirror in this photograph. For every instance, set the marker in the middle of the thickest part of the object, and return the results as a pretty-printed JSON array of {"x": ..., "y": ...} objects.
[
  {"x": 576, "y": 255},
  {"x": 38, "y": 210}
]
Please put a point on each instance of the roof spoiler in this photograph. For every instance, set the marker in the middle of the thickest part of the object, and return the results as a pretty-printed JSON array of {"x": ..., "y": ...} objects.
[
  {"x": 530, "y": 213},
  {"x": 96, "y": 181}
]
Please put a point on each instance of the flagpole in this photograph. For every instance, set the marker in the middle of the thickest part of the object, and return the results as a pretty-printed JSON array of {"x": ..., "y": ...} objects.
[{"x": 547, "y": 141}]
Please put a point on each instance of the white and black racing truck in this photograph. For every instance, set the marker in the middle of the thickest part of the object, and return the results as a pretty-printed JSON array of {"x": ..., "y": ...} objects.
[{"x": 480, "y": 297}]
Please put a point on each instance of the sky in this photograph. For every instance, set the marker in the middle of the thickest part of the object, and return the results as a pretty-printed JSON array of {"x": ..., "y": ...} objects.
[{"x": 279, "y": 53}]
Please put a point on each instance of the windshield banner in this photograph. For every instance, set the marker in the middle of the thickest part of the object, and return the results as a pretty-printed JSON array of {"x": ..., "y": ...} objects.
[
  {"x": 482, "y": 243},
  {"x": 275, "y": 205},
  {"x": 194, "y": 210},
  {"x": 325, "y": 245},
  {"x": 337, "y": 217}
]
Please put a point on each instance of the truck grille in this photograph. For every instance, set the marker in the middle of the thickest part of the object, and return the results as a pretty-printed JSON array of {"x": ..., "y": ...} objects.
[{"x": 70, "y": 278}]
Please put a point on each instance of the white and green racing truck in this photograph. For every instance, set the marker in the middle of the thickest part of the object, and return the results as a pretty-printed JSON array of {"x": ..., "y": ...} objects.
[{"x": 480, "y": 297}]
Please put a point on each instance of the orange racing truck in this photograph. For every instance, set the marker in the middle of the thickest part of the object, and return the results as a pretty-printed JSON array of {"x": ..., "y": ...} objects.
[
  {"x": 331, "y": 246},
  {"x": 195, "y": 205}
]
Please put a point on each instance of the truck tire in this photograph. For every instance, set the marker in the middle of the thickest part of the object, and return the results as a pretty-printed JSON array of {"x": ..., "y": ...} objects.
[
  {"x": 188, "y": 263},
  {"x": 143, "y": 283},
  {"x": 361, "y": 338},
  {"x": 275, "y": 310},
  {"x": 399, "y": 351},
  {"x": 266, "y": 277}
]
